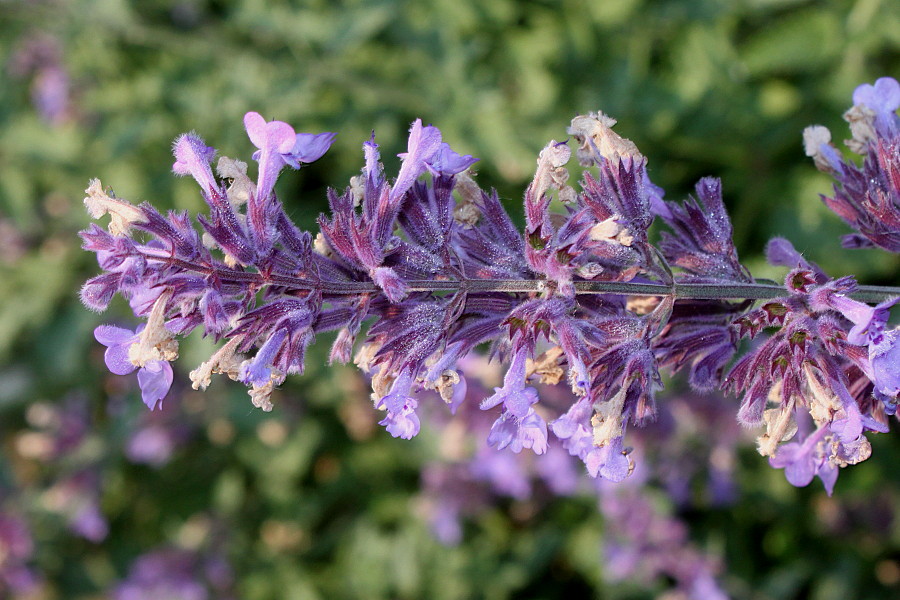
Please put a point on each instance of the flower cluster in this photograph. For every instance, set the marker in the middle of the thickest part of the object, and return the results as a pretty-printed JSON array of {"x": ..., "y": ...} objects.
[{"x": 582, "y": 297}]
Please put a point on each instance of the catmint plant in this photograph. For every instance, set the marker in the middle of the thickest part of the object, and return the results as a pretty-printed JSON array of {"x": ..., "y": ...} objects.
[{"x": 583, "y": 297}]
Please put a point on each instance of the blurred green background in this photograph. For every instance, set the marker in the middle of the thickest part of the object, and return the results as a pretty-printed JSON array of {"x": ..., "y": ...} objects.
[{"x": 302, "y": 503}]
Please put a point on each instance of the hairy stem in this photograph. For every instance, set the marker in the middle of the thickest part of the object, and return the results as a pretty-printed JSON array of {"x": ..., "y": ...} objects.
[{"x": 759, "y": 290}]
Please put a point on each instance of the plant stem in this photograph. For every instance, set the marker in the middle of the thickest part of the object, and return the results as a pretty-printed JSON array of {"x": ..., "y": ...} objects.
[{"x": 759, "y": 290}]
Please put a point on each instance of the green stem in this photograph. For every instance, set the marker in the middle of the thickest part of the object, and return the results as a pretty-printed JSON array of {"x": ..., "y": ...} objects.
[{"x": 759, "y": 290}]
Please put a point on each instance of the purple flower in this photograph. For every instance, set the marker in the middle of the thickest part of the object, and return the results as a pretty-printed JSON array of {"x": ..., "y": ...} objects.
[
  {"x": 885, "y": 360},
  {"x": 401, "y": 420},
  {"x": 278, "y": 146},
  {"x": 519, "y": 426},
  {"x": 258, "y": 371},
  {"x": 175, "y": 574},
  {"x": 528, "y": 431},
  {"x": 154, "y": 378},
  {"x": 308, "y": 148},
  {"x": 424, "y": 143},
  {"x": 447, "y": 162},
  {"x": 610, "y": 461},
  {"x": 152, "y": 445},
  {"x": 868, "y": 321},
  {"x": 503, "y": 471},
  {"x": 192, "y": 157},
  {"x": 802, "y": 461},
  {"x": 883, "y": 99},
  {"x": 438, "y": 268},
  {"x": 18, "y": 547}
]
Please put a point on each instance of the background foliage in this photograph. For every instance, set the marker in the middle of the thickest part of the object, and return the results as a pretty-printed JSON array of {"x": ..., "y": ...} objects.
[{"x": 308, "y": 501}]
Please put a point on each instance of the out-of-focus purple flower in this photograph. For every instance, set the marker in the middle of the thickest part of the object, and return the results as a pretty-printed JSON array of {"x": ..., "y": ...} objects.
[
  {"x": 77, "y": 498},
  {"x": 644, "y": 543},
  {"x": 51, "y": 94},
  {"x": 174, "y": 574},
  {"x": 154, "y": 378},
  {"x": 557, "y": 469},
  {"x": 16, "y": 549},
  {"x": 503, "y": 470},
  {"x": 41, "y": 57},
  {"x": 152, "y": 445}
]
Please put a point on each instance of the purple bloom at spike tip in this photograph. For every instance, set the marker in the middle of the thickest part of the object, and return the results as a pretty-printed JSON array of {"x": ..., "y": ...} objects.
[
  {"x": 154, "y": 378},
  {"x": 278, "y": 146},
  {"x": 424, "y": 143},
  {"x": 884, "y": 99},
  {"x": 193, "y": 157}
]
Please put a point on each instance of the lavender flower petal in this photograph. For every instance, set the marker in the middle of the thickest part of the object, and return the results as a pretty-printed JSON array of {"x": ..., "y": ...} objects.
[{"x": 155, "y": 379}]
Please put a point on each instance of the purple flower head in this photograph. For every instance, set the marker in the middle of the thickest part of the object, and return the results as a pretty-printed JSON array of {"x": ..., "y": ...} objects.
[
  {"x": 529, "y": 431},
  {"x": 802, "y": 461},
  {"x": 278, "y": 146},
  {"x": 447, "y": 162},
  {"x": 518, "y": 426},
  {"x": 424, "y": 143},
  {"x": 883, "y": 99},
  {"x": 437, "y": 268},
  {"x": 174, "y": 574},
  {"x": 610, "y": 461},
  {"x": 701, "y": 243},
  {"x": 502, "y": 471},
  {"x": 884, "y": 357},
  {"x": 192, "y": 157},
  {"x": 401, "y": 420},
  {"x": 154, "y": 378}
]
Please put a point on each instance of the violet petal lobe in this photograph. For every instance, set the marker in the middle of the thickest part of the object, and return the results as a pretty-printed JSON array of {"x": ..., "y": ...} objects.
[
  {"x": 309, "y": 147},
  {"x": 885, "y": 360},
  {"x": 155, "y": 379},
  {"x": 117, "y": 341}
]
